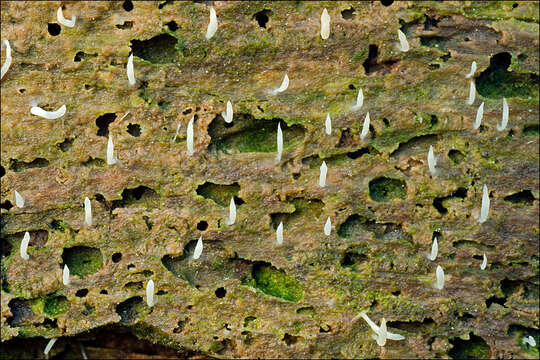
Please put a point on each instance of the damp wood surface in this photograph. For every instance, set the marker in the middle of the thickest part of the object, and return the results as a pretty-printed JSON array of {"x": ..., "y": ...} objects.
[{"x": 246, "y": 296}]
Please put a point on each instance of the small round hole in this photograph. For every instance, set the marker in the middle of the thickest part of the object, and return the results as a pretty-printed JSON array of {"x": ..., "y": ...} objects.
[
  {"x": 172, "y": 25},
  {"x": 221, "y": 292},
  {"x": 202, "y": 225},
  {"x": 116, "y": 257},
  {"x": 127, "y": 5},
  {"x": 134, "y": 130},
  {"x": 387, "y": 2},
  {"x": 54, "y": 29},
  {"x": 104, "y": 292},
  {"x": 81, "y": 293},
  {"x": 352, "y": 87}
]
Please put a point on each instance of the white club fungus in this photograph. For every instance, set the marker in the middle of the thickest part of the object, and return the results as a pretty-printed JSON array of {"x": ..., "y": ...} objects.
[
  {"x": 7, "y": 63},
  {"x": 403, "y": 43},
  {"x": 65, "y": 275},
  {"x": 279, "y": 233},
  {"x": 212, "y": 25},
  {"x": 49, "y": 346},
  {"x": 432, "y": 161},
  {"x": 190, "y": 136},
  {"x": 130, "y": 70},
  {"x": 19, "y": 200},
  {"x": 479, "y": 115},
  {"x": 328, "y": 125},
  {"x": 322, "y": 176},
  {"x": 472, "y": 93},
  {"x": 150, "y": 293},
  {"x": 473, "y": 70},
  {"x": 36, "y": 110},
  {"x": 377, "y": 330},
  {"x": 327, "y": 227},
  {"x": 325, "y": 25},
  {"x": 62, "y": 20},
  {"x": 359, "y": 100},
  {"x": 111, "y": 159},
  {"x": 365, "y": 128},
  {"x": 504, "y": 122},
  {"x": 284, "y": 85},
  {"x": 83, "y": 353},
  {"x": 484, "y": 211},
  {"x": 382, "y": 335},
  {"x": 87, "y": 211},
  {"x": 279, "y": 143},
  {"x": 484, "y": 263},
  {"x": 529, "y": 340},
  {"x": 232, "y": 212},
  {"x": 24, "y": 245},
  {"x": 440, "y": 278},
  {"x": 176, "y": 134},
  {"x": 228, "y": 116},
  {"x": 198, "y": 249},
  {"x": 434, "y": 249}
]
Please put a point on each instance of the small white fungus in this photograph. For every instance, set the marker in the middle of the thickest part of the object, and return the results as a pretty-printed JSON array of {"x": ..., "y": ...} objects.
[
  {"x": 36, "y": 110},
  {"x": 284, "y": 85},
  {"x": 49, "y": 346},
  {"x": 65, "y": 275},
  {"x": 472, "y": 93},
  {"x": 212, "y": 25},
  {"x": 504, "y": 121},
  {"x": 87, "y": 211},
  {"x": 228, "y": 116},
  {"x": 279, "y": 143},
  {"x": 322, "y": 175},
  {"x": 328, "y": 227},
  {"x": 359, "y": 100},
  {"x": 83, "y": 353},
  {"x": 484, "y": 263},
  {"x": 7, "y": 63},
  {"x": 365, "y": 127},
  {"x": 403, "y": 43},
  {"x": 190, "y": 137},
  {"x": 325, "y": 25},
  {"x": 473, "y": 70},
  {"x": 232, "y": 212},
  {"x": 111, "y": 159},
  {"x": 19, "y": 200},
  {"x": 377, "y": 330},
  {"x": 434, "y": 250},
  {"x": 382, "y": 335},
  {"x": 130, "y": 70},
  {"x": 529, "y": 340},
  {"x": 62, "y": 20},
  {"x": 484, "y": 211},
  {"x": 176, "y": 134},
  {"x": 328, "y": 125},
  {"x": 198, "y": 249},
  {"x": 24, "y": 246},
  {"x": 479, "y": 115},
  {"x": 150, "y": 293},
  {"x": 279, "y": 233},
  {"x": 440, "y": 278},
  {"x": 432, "y": 161}
]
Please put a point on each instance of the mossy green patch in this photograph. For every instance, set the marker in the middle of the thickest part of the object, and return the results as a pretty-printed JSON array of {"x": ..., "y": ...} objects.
[
  {"x": 275, "y": 282},
  {"x": 83, "y": 260},
  {"x": 221, "y": 194},
  {"x": 55, "y": 305},
  {"x": 474, "y": 348},
  {"x": 386, "y": 189}
]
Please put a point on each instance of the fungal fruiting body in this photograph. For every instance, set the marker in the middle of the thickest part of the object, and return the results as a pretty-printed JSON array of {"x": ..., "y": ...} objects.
[
  {"x": 212, "y": 25},
  {"x": 83, "y": 353},
  {"x": 365, "y": 127},
  {"x": 322, "y": 175},
  {"x": 130, "y": 70},
  {"x": 432, "y": 161},
  {"x": 150, "y": 293},
  {"x": 62, "y": 20},
  {"x": 279, "y": 143},
  {"x": 232, "y": 212},
  {"x": 327, "y": 227},
  {"x": 24, "y": 245},
  {"x": 440, "y": 278},
  {"x": 198, "y": 249},
  {"x": 484, "y": 263},
  {"x": 328, "y": 125},
  {"x": 504, "y": 121},
  {"x": 176, "y": 134},
  {"x": 19, "y": 200},
  {"x": 111, "y": 159},
  {"x": 473, "y": 70},
  {"x": 49, "y": 346},
  {"x": 87, "y": 211},
  {"x": 65, "y": 275},
  {"x": 228, "y": 116},
  {"x": 472, "y": 93},
  {"x": 434, "y": 250},
  {"x": 359, "y": 100},
  {"x": 484, "y": 211},
  {"x": 284, "y": 85},
  {"x": 381, "y": 333},
  {"x": 479, "y": 115},
  {"x": 529, "y": 340},
  {"x": 36, "y": 110},
  {"x": 190, "y": 137},
  {"x": 325, "y": 24},
  {"x": 279, "y": 233},
  {"x": 403, "y": 43},
  {"x": 7, "y": 63}
]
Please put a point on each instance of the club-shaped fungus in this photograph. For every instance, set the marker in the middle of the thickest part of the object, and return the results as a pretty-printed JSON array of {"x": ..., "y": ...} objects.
[
  {"x": 62, "y": 20},
  {"x": 36, "y": 110},
  {"x": 7, "y": 63},
  {"x": 325, "y": 24},
  {"x": 212, "y": 24}
]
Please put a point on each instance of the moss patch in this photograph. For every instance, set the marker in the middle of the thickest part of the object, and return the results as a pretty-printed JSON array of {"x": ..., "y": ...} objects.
[
  {"x": 386, "y": 189},
  {"x": 275, "y": 282},
  {"x": 82, "y": 260},
  {"x": 56, "y": 305},
  {"x": 220, "y": 194}
]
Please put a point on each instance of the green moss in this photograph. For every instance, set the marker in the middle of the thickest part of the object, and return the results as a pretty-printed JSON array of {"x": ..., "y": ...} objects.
[
  {"x": 274, "y": 282},
  {"x": 219, "y": 193},
  {"x": 386, "y": 189},
  {"x": 530, "y": 130},
  {"x": 474, "y": 348},
  {"x": 82, "y": 260},
  {"x": 56, "y": 305}
]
